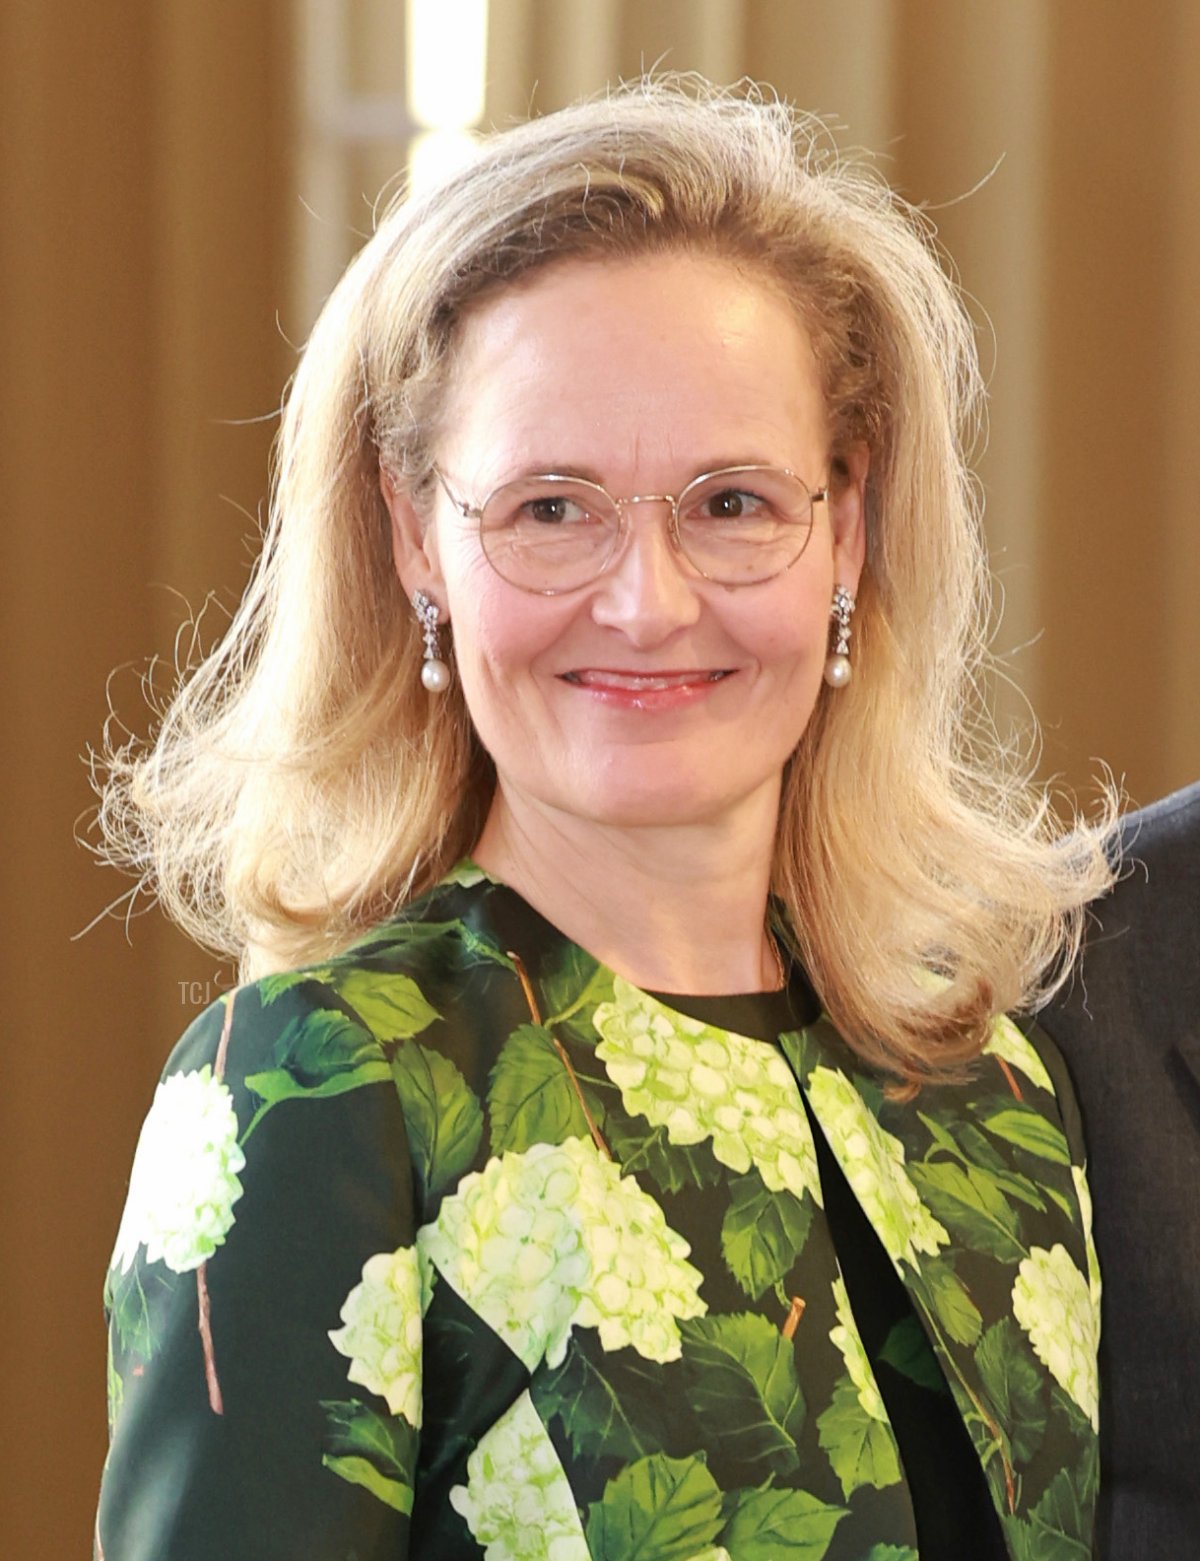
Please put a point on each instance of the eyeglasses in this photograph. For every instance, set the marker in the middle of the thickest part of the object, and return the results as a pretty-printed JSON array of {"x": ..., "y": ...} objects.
[{"x": 737, "y": 526}]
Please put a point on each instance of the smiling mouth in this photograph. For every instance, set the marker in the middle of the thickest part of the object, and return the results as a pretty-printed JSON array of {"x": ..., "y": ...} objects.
[{"x": 642, "y": 682}]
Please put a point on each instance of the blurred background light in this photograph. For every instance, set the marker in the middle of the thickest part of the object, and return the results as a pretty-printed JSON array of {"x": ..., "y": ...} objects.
[
  {"x": 434, "y": 154},
  {"x": 447, "y": 62}
]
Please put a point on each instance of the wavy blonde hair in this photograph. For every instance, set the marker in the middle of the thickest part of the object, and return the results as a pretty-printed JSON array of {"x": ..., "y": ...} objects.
[{"x": 302, "y": 785}]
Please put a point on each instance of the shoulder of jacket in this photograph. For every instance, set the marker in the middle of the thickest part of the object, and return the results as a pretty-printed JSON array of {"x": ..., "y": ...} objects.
[{"x": 1162, "y": 839}]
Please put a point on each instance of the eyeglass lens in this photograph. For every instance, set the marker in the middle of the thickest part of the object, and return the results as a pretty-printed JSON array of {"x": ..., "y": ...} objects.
[{"x": 735, "y": 527}]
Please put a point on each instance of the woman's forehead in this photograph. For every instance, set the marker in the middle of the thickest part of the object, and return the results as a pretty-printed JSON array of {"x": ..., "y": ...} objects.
[{"x": 680, "y": 349}]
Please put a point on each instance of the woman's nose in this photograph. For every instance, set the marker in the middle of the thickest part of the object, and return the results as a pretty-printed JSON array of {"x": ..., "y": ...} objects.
[{"x": 648, "y": 590}]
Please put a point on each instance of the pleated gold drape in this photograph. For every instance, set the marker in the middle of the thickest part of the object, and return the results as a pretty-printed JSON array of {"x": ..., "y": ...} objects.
[
  {"x": 157, "y": 155},
  {"x": 144, "y": 222}
]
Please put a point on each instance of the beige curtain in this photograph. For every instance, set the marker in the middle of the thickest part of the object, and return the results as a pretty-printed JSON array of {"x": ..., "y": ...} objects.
[
  {"x": 161, "y": 182},
  {"x": 144, "y": 218}
]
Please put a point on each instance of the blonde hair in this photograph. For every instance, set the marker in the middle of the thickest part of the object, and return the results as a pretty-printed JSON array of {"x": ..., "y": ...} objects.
[{"x": 302, "y": 785}]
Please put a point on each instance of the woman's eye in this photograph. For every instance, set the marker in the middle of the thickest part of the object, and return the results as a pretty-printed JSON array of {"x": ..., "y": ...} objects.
[
  {"x": 731, "y": 504},
  {"x": 552, "y": 510}
]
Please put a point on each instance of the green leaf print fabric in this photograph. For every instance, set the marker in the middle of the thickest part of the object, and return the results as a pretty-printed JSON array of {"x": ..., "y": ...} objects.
[{"x": 461, "y": 1245}]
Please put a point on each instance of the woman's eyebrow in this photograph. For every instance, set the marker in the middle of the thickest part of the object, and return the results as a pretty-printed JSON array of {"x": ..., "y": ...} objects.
[{"x": 694, "y": 469}]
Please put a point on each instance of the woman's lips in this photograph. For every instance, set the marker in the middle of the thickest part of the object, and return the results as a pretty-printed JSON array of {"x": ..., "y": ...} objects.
[
  {"x": 646, "y": 690},
  {"x": 636, "y": 682}
]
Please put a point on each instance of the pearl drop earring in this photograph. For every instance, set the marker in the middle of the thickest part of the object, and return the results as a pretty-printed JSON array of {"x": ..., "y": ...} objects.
[
  {"x": 435, "y": 674},
  {"x": 838, "y": 670}
]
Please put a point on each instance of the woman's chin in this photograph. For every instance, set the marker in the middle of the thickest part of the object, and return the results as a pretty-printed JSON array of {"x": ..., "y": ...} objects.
[{"x": 651, "y": 802}]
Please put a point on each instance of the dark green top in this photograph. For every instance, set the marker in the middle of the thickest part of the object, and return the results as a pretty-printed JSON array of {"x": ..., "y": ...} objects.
[{"x": 461, "y": 1245}]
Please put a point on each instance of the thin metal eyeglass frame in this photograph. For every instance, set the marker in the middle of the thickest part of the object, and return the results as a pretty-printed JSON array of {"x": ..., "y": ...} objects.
[{"x": 475, "y": 512}]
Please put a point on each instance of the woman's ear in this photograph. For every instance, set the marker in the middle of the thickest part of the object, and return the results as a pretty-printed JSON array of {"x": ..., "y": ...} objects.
[
  {"x": 414, "y": 543},
  {"x": 848, "y": 513}
]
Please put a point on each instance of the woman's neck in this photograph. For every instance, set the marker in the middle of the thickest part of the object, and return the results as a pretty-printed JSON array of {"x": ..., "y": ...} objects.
[{"x": 672, "y": 909}]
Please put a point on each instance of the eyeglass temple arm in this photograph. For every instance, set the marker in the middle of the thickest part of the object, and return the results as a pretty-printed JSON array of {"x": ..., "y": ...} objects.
[{"x": 463, "y": 508}]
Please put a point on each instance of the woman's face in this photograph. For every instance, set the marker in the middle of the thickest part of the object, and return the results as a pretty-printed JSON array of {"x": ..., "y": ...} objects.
[{"x": 651, "y": 696}]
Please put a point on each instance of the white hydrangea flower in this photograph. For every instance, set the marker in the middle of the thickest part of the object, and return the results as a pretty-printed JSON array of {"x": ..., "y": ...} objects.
[
  {"x": 1084, "y": 1193},
  {"x": 382, "y": 1336},
  {"x": 1053, "y": 1303},
  {"x": 699, "y": 1082},
  {"x": 854, "y": 1352},
  {"x": 873, "y": 1162},
  {"x": 1007, "y": 1041},
  {"x": 517, "y": 1501},
  {"x": 184, "y": 1181},
  {"x": 553, "y": 1236},
  {"x": 713, "y": 1553}
]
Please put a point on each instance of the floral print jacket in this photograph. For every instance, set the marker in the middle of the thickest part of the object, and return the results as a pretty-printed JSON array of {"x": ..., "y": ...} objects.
[{"x": 460, "y": 1245}]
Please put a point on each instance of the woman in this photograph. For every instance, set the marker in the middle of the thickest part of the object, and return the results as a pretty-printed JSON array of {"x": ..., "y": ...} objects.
[{"x": 615, "y": 1149}]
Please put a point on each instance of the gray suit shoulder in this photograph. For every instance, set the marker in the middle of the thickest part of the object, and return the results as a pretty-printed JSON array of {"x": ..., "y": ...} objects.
[
  {"x": 1148, "y": 926},
  {"x": 1168, "y": 830},
  {"x": 1127, "y": 1026}
]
